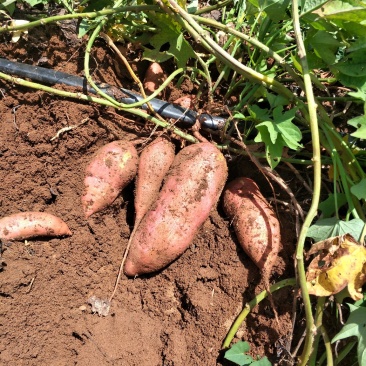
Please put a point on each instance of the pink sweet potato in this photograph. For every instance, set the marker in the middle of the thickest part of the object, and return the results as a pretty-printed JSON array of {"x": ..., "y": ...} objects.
[
  {"x": 255, "y": 224},
  {"x": 191, "y": 189},
  {"x": 110, "y": 170},
  {"x": 155, "y": 161},
  {"x": 26, "y": 225},
  {"x": 186, "y": 102},
  {"x": 154, "y": 78}
]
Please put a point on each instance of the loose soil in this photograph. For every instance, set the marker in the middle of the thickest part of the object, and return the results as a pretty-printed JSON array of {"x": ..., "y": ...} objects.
[{"x": 178, "y": 316}]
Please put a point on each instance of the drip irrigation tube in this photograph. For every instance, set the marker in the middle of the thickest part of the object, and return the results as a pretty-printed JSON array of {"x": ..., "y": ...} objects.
[{"x": 165, "y": 109}]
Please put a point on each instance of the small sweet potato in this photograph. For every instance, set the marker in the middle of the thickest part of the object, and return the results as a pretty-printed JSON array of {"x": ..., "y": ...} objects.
[
  {"x": 26, "y": 225},
  {"x": 186, "y": 102},
  {"x": 155, "y": 161},
  {"x": 255, "y": 224},
  {"x": 110, "y": 170},
  {"x": 191, "y": 189},
  {"x": 154, "y": 78}
]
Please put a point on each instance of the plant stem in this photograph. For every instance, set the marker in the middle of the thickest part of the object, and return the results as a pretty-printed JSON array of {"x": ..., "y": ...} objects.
[
  {"x": 100, "y": 101},
  {"x": 318, "y": 323},
  {"x": 88, "y": 15},
  {"x": 202, "y": 37},
  {"x": 328, "y": 348},
  {"x": 249, "y": 306},
  {"x": 207, "y": 9},
  {"x": 314, "y": 128},
  {"x": 88, "y": 77},
  {"x": 253, "y": 41}
]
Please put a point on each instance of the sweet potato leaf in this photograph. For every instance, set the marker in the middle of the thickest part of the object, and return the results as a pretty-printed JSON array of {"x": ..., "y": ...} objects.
[
  {"x": 308, "y": 6},
  {"x": 277, "y": 133},
  {"x": 275, "y": 9},
  {"x": 326, "y": 228},
  {"x": 325, "y": 46},
  {"x": 355, "y": 327},
  {"x": 328, "y": 206},
  {"x": 359, "y": 189},
  {"x": 359, "y": 123},
  {"x": 168, "y": 42},
  {"x": 237, "y": 354}
]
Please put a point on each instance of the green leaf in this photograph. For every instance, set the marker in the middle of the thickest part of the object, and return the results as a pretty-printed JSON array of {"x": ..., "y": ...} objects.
[
  {"x": 347, "y": 15},
  {"x": 170, "y": 36},
  {"x": 86, "y": 25},
  {"x": 327, "y": 228},
  {"x": 289, "y": 131},
  {"x": 275, "y": 9},
  {"x": 8, "y": 5},
  {"x": 278, "y": 133},
  {"x": 237, "y": 354},
  {"x": 267, "y": 132},
  {"x": 276, "y": 100},
  {"x": 354, "y": 14},
  {"x": 328, "y": 206},
  {"x": 192, "y": 6},
  {"x": 273, "y": 145},
  {"x": 359, "y": 189},
  {"x": 360, "y": 124},
  {"x": 351, "y": 68},
  {"x": 360, "y": 94},
  {"x": 308, "y": 6},
  {"x": 262, "y": 362},
  {"x": 357, "y": 44},
  {"x": 355, "y": 327},
  {"x": 36, "y": 2},
  {"x": 258, "y": 113},
  {"x": 325, "y": 46},
  {"x": 351, "y": 81}
]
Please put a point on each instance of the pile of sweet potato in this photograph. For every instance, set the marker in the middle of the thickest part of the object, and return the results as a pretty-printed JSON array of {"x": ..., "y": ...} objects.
[{"x": 174, "y": 195}]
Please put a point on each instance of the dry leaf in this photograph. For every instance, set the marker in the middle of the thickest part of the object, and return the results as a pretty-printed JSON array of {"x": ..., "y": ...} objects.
[{"x": 340, "y": 263}]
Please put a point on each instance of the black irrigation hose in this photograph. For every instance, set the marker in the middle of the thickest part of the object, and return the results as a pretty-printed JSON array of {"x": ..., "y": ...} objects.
[{"x": 165, "y": 109}]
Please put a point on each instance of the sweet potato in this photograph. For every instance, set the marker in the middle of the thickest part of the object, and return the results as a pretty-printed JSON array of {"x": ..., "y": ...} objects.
[
  {"x": 110, "y": 170},
  {"x": 191, "y": 189},
  {"x": 255, "y": 224},
  {"x": 186, "y": 102},
  {"x": 154, "y": 78},
  {"x": 155, "y": 161},
  {"x": 26, "y": 225}
]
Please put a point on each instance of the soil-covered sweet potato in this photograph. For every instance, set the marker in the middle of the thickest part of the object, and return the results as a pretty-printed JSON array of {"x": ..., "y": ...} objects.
[
  {"x": 26, "y": 225},
  {"x": 155, "y": 161},
  {"x": 110, "y": 170},
  {"x": 191, "y": 189},
  {"x": 255, "y": 224},
  {"x": 154, "y": 78}
]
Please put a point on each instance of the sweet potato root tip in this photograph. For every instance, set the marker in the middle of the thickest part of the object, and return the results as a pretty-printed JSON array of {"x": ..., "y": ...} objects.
[
  {"x": 190, "y": 190},
  {"x": 255, "y": 224},
  {"x": 110, "y": 170},
  {"x": 26, "y": 225}
]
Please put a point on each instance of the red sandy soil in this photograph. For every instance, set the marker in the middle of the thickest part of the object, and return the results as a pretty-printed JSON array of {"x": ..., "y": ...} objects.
[{"x": 178, "y": 316}]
